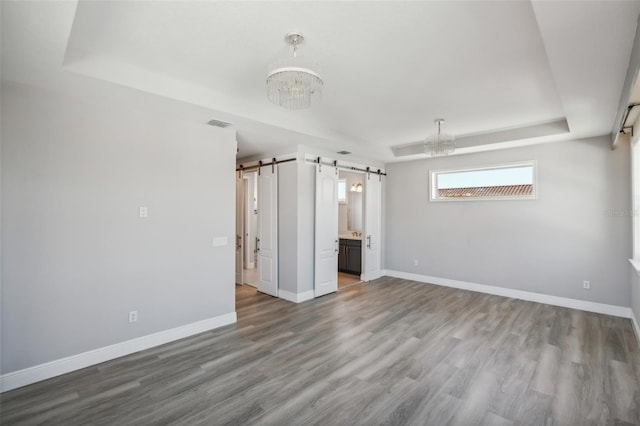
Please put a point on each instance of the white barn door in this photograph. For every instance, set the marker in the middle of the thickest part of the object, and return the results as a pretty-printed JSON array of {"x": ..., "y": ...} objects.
[
  {"x": 239, "y": 227},
  {"x": 326, "y": 245},
  {"x": 267, "y": 240},
  {"x": 372, "y": 228}
]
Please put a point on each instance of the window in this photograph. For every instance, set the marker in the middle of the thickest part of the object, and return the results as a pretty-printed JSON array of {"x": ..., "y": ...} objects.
[
  {"x": 342, "y": 191},
  {"x": 514, "y": 181}
]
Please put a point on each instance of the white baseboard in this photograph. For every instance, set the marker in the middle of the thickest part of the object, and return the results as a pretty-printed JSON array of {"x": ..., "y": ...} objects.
[
  {"x": 583, "y": 305},
  {"x": 295, "y": 297},
  {"x": 55, "y": 368}
]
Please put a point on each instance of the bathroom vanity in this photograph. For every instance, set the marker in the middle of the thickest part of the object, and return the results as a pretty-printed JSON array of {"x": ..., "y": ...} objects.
[{"x": 350, "y": 254}]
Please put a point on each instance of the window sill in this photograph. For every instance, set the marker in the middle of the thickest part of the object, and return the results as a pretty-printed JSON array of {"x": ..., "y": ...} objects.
[{"x": 636, "y": 265}]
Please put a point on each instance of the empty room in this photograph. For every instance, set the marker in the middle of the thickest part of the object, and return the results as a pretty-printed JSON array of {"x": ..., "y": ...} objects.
[{"x": 320, "y": 212}]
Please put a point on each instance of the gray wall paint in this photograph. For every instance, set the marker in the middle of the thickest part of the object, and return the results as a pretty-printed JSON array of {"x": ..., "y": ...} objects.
[
  {"x": 630, "y": 79},
  {"x": 549, "y": 245},
  {"x": 77, "y": 258},
  {"x": 287, "y": 227},
  {"x": 306, "y": 225}
]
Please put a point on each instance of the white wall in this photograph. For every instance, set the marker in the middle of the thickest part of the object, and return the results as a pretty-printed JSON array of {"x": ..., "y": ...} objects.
[
  {"x": 549, "y": 245},
  {"x": 306, "y": 225},
  {"x": 288, "y": 227},
  {"x": 343, "y": 215},
  {"x": 76, "y": 256}
]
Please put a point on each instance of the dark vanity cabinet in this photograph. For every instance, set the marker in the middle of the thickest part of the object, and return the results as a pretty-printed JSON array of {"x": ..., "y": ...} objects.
[
  {"x": 342, "y": 256},
  {"x": 354, "y": 256},
  {"x": 350, "y": 256}
]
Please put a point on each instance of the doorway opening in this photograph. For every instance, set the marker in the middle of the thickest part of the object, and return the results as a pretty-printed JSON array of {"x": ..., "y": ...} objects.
[
  {"x": 250, "y": 226},
  {"x": 257, "y": 228},
  {"x": 350, "y": 228}
]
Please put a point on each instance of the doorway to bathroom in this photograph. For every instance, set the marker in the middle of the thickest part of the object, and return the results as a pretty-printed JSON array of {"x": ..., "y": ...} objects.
[
  {"x": 250, "y": 219},
  {"x": 350, "y": 227}
]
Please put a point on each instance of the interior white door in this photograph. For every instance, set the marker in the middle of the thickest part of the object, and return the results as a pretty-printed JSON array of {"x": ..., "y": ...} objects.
[
  {"x": 372, "y": 256},
  {"x": 267, "y": 240},
  {"x": 326, "y": 238},
  {"x": 239, "y": 228}
]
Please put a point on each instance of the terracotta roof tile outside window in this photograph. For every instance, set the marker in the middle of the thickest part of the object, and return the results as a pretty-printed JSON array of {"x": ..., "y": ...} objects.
[{"x": 487, "y": 191}]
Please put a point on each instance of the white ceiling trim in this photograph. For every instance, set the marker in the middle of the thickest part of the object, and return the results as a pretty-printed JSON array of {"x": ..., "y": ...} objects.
[{"x": 485, "y": 140}]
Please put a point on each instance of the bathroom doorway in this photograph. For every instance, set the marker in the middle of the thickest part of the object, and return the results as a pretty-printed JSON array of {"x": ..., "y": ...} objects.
[
  {"x": 350, "y": 228},
  {"x": 250, "y": 218}
]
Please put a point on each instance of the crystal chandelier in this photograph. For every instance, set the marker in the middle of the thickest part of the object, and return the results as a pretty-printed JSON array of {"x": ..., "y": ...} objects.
[
  {"x": 440, "y": 143},
  {"x": 291, "y": 83}
]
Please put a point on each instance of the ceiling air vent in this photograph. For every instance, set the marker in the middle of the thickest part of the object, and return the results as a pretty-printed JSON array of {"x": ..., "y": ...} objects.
[
  {"x": 344, "y": 152},
  {"x": 218, "y": 123}
]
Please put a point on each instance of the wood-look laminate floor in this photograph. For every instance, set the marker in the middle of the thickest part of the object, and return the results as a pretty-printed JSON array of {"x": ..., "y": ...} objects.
[
  {"x": 391, "y": 351},
  {"x": 347, "y": 280}
]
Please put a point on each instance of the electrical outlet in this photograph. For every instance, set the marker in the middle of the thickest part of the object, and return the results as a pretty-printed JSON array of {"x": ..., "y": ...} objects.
[
  {"x": 586, "y": 285},
  {"x": 144, "y": 212},
  {"x": 133, "y": 316},
  {"x": 415, "y": 262}
]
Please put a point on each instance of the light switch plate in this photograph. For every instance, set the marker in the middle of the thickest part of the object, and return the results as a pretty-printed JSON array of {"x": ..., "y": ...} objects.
[{"x": 220, "y": 241}]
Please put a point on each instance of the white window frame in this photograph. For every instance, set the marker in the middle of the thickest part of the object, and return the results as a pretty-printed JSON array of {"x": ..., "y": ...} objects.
[{"x": 433, "y": 179}]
